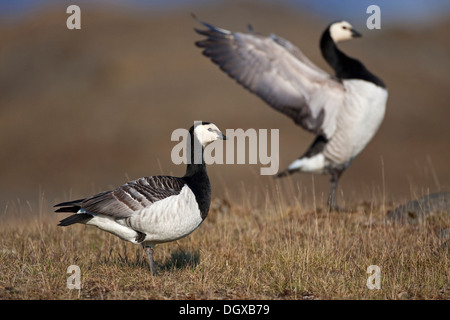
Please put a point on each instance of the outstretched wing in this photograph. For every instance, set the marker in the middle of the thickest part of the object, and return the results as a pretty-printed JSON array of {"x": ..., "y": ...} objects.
[
  {"x": 279, "y": 73},
  {"x": 128, "y": 198}
]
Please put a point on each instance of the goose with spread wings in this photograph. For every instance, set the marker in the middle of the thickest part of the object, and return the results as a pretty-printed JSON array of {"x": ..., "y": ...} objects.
[
  {"x": 154, "y": 209},
  {"x": 343, "y": 110}
]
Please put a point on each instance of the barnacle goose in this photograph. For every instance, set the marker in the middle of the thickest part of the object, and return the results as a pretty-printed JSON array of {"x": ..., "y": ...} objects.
[
  {"x": 343, "y": 110},
  {"x": 154, "y": 209}
]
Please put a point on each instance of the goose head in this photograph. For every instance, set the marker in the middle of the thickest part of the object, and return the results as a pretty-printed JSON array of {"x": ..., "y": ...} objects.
[
  {"x": 206, "y": 132},
  {"x": 342, "y": 30}
]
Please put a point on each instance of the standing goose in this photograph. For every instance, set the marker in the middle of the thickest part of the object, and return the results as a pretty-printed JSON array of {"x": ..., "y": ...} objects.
[
  {"x": 154, "y": 209},
  {"x": 344, "y": 111}
]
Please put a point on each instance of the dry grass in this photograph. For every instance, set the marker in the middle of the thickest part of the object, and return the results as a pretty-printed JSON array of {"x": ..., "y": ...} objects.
[{"x": 256, "y": 249}]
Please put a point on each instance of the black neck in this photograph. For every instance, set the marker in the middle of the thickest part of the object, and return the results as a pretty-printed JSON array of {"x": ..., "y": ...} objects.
[
  {"x": 196, "y": 177},
  {"x": 344, "y": 66}
]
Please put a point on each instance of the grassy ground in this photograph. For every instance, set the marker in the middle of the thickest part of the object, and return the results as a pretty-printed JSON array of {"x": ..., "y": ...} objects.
[{"x": 243, "y": 250}]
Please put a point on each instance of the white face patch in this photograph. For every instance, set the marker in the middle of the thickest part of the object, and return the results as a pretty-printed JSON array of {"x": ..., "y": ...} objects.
[
  {"x": 340, "y": 31},
  {"x": 207, "y": 133}
]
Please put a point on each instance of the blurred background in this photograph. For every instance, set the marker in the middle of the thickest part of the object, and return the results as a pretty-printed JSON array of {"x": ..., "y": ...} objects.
[{"x": 82, "y": 111}]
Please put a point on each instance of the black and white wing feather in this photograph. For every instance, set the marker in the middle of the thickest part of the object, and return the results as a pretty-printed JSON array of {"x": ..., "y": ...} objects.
[
  {"x": 128, "y": 198},
  {"x": 279, "y": 73}
]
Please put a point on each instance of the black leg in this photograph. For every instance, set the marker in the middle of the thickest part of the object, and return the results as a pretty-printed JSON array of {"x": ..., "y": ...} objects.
[
  {"x": 149, "y": 252},
  {"x": 285, "y": 173},
  {"x": 332, "y": 201}
]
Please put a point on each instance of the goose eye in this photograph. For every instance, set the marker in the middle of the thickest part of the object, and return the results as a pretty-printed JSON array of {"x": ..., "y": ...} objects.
[{"x": 210, "y": 129}]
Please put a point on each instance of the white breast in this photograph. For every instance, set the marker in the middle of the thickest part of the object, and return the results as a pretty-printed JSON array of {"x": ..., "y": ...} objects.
[
  {"x": 169, "y": 219},
  {"x": 358, "y": 120}
]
